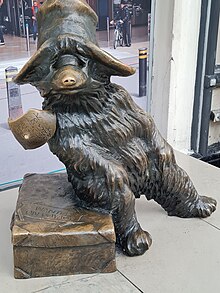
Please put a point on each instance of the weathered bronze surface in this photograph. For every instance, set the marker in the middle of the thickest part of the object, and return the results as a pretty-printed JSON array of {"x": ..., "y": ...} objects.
[
  {"x": 52, "y": 235},
  {"x": 34, "y": 128},
  {"x": 111, "y": 148}
]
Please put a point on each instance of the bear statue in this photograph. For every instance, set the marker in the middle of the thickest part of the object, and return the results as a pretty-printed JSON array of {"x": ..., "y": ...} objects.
[{"x": 111, "y": 148}]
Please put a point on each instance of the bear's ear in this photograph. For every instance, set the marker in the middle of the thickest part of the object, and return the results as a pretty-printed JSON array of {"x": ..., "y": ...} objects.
[
  {"x": 38, "y": 66},
  {"x": 111, "y": 65},
  {"x": 31, "y": 73},
  {"x": 100, "y": 72}
]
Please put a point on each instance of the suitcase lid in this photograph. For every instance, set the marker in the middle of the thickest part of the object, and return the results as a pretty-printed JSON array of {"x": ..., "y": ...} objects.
[{"x": 47, "y": 215}]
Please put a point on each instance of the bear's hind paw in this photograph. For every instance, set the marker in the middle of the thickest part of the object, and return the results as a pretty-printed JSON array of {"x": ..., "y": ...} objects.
[
  {"x": 136, "y": 242},
  {"x": 204, "y": 207}
]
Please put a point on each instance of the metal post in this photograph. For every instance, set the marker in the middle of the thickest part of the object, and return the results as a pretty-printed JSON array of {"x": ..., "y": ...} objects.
[
  {"x": 23, "y": 18},
  {"x": 108, "y": 32},
  {"x": 148, "y": 26},
  {"x": 150, "y": 56},
  {"x": 13, "y": 93},
  {"x": 27, "y": 37},
  {"x": 200, "y": 74},
  {"x": 209, "y": 72},
  {"x": 142, "y": 72}
]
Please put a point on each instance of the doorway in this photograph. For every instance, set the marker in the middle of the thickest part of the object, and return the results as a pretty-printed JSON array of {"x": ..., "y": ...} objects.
[{"x": 103, "y": 13}]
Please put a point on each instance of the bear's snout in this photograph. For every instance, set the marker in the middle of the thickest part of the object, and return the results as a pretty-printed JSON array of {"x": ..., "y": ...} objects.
[
  {"x": 69, "y": 78},
  {"x": 69, "y": 81}
]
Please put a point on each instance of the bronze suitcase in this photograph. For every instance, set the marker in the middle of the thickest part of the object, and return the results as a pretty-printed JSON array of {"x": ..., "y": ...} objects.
[{"x": 52, "y": 236}]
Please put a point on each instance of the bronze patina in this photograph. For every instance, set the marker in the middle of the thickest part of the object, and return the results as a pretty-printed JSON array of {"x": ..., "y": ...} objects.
[
  {"x": 34, "y": 128},
  {"x": 111, "y": 148},
  {"x": 53, "y": 236}
]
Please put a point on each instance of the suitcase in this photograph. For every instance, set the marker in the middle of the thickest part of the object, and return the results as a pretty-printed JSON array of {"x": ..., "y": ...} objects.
[{"x": 53, "y": 236}]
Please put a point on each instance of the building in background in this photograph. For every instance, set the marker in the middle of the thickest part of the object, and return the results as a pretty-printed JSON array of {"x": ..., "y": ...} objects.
[
  {"x": 17, "y": 13},
  {"x": 184, "y": 89},
  {"x": 108, "y": 8}
]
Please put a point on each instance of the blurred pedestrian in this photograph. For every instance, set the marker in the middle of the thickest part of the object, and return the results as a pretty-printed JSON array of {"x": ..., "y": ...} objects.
[
  {"x": 35, "y": 9},
  {"x": 126, "y": 18},
  {"x": 2, "y": 41}
]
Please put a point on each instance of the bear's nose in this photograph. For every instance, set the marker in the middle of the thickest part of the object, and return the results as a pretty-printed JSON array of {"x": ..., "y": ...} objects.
[{"x": 68, "y": 81}]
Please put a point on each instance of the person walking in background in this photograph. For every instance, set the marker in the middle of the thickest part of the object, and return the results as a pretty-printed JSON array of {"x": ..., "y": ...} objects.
[
  {"x": 35, "y": 9},
  {"x": 126, "y": 18},
  {"x": 2, "y": 41}
]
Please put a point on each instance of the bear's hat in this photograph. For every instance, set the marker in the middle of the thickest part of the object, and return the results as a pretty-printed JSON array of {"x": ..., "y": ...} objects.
[{"x": 68, "y": 24}]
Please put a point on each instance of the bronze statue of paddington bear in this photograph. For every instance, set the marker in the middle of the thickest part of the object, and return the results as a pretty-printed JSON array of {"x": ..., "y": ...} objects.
[{"x": 111, "y": 148}]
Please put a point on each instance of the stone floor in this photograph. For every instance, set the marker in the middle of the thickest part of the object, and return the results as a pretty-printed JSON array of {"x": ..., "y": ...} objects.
[{"x": 184, "y": 256}]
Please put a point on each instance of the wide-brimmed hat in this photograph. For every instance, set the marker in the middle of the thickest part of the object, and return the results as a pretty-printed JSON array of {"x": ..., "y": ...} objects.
[{"x": 68, "y": 25}]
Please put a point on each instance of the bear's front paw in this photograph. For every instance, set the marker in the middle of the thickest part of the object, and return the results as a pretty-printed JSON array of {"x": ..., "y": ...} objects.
[{"x": 136, "y": 242}]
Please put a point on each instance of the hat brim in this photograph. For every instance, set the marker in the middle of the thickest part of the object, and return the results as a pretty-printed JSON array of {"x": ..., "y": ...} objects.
[{"x": 46, "y": 53}]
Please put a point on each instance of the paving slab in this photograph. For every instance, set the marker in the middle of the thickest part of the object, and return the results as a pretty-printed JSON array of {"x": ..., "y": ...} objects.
[{"x": 183, "y": 258}]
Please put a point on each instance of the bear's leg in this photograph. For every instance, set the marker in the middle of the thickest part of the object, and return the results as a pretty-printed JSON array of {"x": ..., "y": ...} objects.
[
  {"x": 179, "y": 197},
  {"x": 130, "y": 236},
  {"x": 108, "y": 188}
]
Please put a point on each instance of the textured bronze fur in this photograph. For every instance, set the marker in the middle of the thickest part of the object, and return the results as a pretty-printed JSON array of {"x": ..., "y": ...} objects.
[{"x": 111, "y": 148}]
